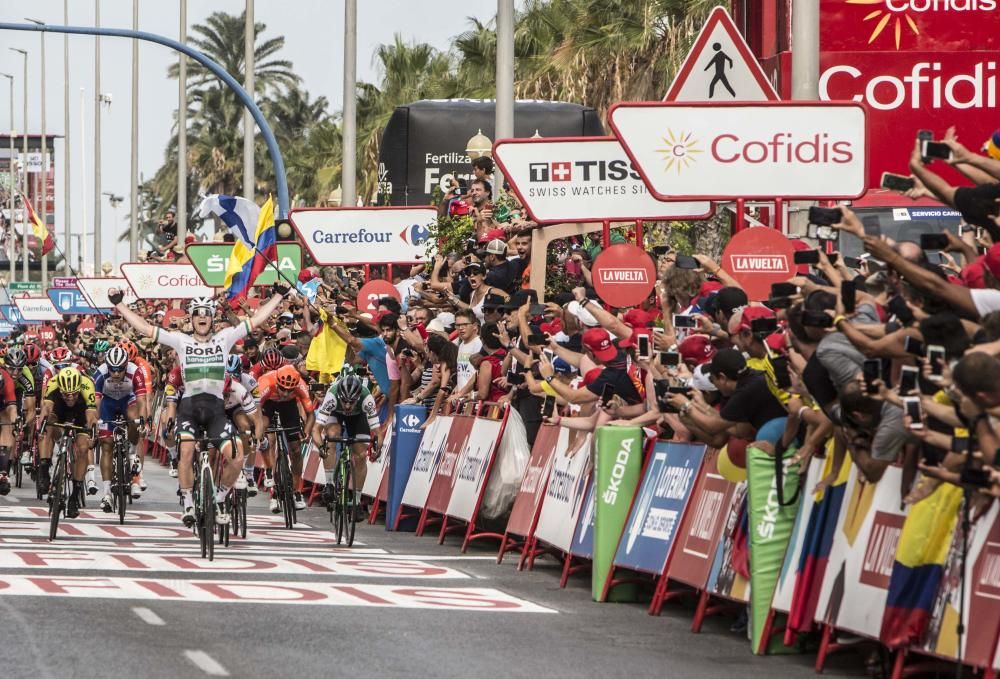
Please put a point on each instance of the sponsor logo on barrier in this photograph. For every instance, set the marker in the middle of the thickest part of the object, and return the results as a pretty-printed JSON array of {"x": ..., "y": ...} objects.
[
  {"x": 529, "y": 482},
  {"x": 880, "y": 552},
  {"x": 754, "y": 264},
  {"x": 765, "y": 528},
  {"x": 988, "y": 582},
  {"x": 706, "y": 513},
  {"x": 411, "y": 424},
  {"x": 610, "y": 494}
]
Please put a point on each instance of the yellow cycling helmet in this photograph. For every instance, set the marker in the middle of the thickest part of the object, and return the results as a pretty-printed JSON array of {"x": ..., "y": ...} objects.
[{"x": 69, "y": 380}]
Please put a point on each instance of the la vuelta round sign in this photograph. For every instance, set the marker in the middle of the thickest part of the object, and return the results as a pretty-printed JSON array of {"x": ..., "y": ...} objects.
[
  {"x": 714, "y": 151},
  {"x": 623, "y": 275},
  {"x": 758, "y": 257}
]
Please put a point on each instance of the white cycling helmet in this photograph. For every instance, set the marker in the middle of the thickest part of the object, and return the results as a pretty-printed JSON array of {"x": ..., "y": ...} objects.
[
  {"x": 116, "y": 358},
  {"x": 201, "y": 303}
]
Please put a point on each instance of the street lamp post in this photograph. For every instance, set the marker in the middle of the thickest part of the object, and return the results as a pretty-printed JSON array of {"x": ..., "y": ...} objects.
[
  {"x": 45, "y": 161},
  {"x": 505, "y": 81},
  {"x": 24, "y": 170},
  {"x": 97, "y": 136},
  {"x": 10, "y": 195},
  {"x": 114, "y": 200},
  {"x": 182, "y": 208},
  {"x": 133, "y": 232},
  {"x": 249, "y": 41},
  {"x": 349, "y": 124},
  {"x": 67, "y": 268}
]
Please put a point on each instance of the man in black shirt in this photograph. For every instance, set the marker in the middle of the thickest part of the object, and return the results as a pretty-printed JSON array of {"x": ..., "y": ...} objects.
[
  {"x": 500, "y": 273},
  {"x": 615, "y": 372}
]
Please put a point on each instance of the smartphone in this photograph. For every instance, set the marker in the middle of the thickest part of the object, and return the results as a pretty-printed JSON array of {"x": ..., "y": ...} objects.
[
  {"x": 899, "y": 309},
  {"x": 925, "y": 135},
  {"x": 782, "y": 377},
  {"x": 763, "y": 326},
  {"x": 896, "y": 182},
  {"x": 912, "y": 345},
  {"x": 548, "y": 407},
  {"x": 908, "y": 379},
  {"x": 825, "y": 216},
  {"x": 660, "y": 250},
  {"x": 549, "y": 355},
  {"x": 935, "y": 149},
  {"x": 806, "y": 257},
  {"x": 536, "y": 339},
  {"x": 933, "y": 241},
  {"x": 644, "y": 348},
  {"x": 826, "y": 233},
  {"x": 871, "y": 371},
  {"x": 683, "y": 321},
  {"x": 848, "y": 296},
  {"x": 784, "y": 289},
  {"x": 536, "y": 310},
  {"x": 935, "y": 356},
  {"x": 816, "y": 319},
  {"x": 960, "y": 444},
  {"x": 976, "y": 478},
  {"x": 670, "y": 359},
  {"x": 607, "y": 393},
  {"x": 662, "y": 388},
  {"x": 914, "y": 412},
  {"x": 775, "y": 303},
  {"x": 686, "y": 262},
  {"x": 852, "y": 262}
]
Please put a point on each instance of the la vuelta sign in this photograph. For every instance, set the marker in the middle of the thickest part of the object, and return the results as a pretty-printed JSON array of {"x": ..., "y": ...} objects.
[
  {"x": 165, "y": 281},
  {"x": 715, "y": 151}
]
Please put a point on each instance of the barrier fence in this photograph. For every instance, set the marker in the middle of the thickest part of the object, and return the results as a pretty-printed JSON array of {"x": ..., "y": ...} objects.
[{"x": 659, "y": 515}]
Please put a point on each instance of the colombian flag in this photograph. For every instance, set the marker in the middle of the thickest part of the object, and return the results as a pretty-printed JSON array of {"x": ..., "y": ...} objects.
[
  {"x": 920, "y": 558},
  {"x": 816, "y": 545},
  {"x": 246, "y": 263},
  {"x": 41, "y": 233}
]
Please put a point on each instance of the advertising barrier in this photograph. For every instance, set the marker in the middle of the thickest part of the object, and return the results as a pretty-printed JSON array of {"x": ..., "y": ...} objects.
[
  {"x": 528, "y": 503},
  {"x": 377, "y": 470},
  {"x": 439, "y": 494},
  {"x": 616, "y": 472},
  {"x": 418, "y": 485},
  {"x": 565, "y": 493},
  {"x": 405, "y": 444}
]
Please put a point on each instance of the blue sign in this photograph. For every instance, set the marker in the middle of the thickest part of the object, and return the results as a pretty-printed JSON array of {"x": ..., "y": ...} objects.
[
  {"x": 659, "y": 506},
  {"x": 583, "y": 537},
  {"x": 406, "y": 435},
  {"x": 13, "y": 314},
  {"x": 6, "y": 328},
  {"x": 70, "y": 301}
]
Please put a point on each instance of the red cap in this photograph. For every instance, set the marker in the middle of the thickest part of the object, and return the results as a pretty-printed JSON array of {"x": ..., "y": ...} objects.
[
  {"x": 591, "y": 375},
  {"x": 553, "y": 327},
  {"x": 991, "y": 260},
  {"x": 306, "y": 275},
  {"x": 708, "y": 287},
  {"x": 637, "y": 318},
  {"x": 493, "y": 234},
  {"x": 973, "y": 275},
  {"x": 777, "y": 342},
  {"x": 599, "y": 343},
  {"x": 743, "y": 319},
  {"x": 696, "y": 349}
]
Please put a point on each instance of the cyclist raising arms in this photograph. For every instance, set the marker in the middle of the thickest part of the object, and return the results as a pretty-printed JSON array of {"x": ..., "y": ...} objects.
[
  {"x": 347, "y": 405},
  {"x": 202, "y": 358}
]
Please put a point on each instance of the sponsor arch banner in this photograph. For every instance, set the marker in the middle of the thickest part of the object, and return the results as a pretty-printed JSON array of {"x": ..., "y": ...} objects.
[
  {"x": 583, "y": 179},
  {"x": 364, "y": 235},
  {"x": 725, "y": 151}
]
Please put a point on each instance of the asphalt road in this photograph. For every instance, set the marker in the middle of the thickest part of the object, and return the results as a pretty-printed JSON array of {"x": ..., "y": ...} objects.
[{"x": 136, "y": 601}]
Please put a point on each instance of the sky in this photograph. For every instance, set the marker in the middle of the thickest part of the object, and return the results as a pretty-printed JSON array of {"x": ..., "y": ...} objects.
[{"x": 313, "y": 43}]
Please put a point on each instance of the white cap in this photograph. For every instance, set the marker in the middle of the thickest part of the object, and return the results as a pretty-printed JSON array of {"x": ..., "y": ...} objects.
[
  {"x": 435, "y": 325},
  {"x": 700, "y": 380},
  {"x": 585, "y": 316},
  {"x": 447, "y": 319}
]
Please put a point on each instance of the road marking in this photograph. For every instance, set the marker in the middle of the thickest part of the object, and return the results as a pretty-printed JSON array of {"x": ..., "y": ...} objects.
[
  {"x": 148, "y": 616},
  {"x": 206, "y": 663}
]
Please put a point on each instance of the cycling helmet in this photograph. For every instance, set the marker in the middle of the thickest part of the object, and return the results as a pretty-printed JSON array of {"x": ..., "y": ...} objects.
[
  {"x": 32, "y": 353},
  {"x": 130, "y": 348},
  {"x": 202, "y": 303},
  {"x": 287, "y": 378},
  {"x": 349, "y": 388},
  {"x": 15, "y": 357},
  {"x": 234, "y": 365},
  {"x": 60, "y": 355},
  {"x": 69, "y": 380},
  {"x": 272, "y": 359},
  {"x": 101, "y": 346},
  {"x": 117, "y": 358}
]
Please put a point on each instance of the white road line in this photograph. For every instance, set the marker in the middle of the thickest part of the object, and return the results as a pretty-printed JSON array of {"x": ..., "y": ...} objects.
[
  {"x": 148, "y": 616},
  {"x": 206, "y": 663}
]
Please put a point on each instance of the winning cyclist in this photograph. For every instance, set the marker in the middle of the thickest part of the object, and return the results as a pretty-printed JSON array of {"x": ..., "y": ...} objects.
[
  {"x": 120, "y": 387},
  {"x": 284, "y": 392},
  {"x": 347, "y": 405},
  {"x": 202, "y": 358},
  {"x": 69, "y": 398}
]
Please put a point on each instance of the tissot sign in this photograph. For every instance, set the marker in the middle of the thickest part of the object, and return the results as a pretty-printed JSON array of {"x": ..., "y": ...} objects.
[
  {"x": 339, "y": 236},
  {"x": 575, "y": 179},
  {"x": 165, "y": 281},
  {"x": 724, "y": 151}
]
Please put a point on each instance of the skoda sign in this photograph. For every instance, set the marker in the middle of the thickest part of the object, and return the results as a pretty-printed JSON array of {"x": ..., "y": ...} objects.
[
  {"x": 702, "y": 151},
  {"x": 577, "y": 179},
  {"x": 340, "y": 236}
]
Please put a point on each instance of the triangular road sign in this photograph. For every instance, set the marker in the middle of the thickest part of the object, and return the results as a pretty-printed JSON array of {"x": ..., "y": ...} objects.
[{"x": 720, "y": 67}]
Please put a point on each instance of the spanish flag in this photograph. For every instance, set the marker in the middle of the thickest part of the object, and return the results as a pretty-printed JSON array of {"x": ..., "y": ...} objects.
[{"x": 37, "y": 227}]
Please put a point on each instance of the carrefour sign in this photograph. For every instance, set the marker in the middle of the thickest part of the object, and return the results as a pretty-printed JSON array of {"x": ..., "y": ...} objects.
[
  {"x": 340, "y": 236},
  {"x": 698, "y": 151}
]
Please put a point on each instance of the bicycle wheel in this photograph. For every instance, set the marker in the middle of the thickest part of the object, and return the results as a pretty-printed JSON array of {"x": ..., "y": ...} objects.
[
  {"x": 18, "y": 471},
  {"x": 122, "y": 491},
  {"x": 285, "y": 493},
  {"x": 224, "y": 531},
  {"x": 340, "y": 508},
  {"x": 208, "y": 513},
  {"x": 240, "y": 514},
  {"x": 350, "y": 504},
  {"x": 57, "y": 494}
]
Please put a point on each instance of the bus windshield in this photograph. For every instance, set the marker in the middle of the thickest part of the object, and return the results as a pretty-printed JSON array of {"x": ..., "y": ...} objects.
[{"x": 900, "y": 224}]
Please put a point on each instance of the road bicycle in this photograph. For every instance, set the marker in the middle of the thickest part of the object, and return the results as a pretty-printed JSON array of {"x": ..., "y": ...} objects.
[
  {"x": 284, "y": 485},
  {"x": 61, "y": 484},
  {"x": 121, "y": 473},
  {"x": 343, "y": 510}
]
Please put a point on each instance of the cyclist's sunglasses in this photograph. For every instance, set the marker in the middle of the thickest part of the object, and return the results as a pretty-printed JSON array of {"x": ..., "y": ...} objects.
[
  {"x": 117, "y": 371},
  {"x": 202, "y": 312}
]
